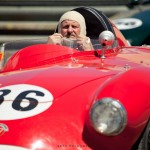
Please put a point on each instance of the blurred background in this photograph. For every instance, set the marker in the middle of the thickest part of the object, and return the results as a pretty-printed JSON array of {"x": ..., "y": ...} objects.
[{"x": 25, "y": 19}]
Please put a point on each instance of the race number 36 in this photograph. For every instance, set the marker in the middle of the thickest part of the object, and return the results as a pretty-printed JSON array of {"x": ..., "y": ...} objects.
[{"x": 23, "y": 100}]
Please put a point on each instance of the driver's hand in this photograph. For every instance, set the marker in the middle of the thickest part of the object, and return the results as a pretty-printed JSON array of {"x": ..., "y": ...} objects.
[
  {"x": 84, "y": 43},
  {"x": 56, "y": 38}
]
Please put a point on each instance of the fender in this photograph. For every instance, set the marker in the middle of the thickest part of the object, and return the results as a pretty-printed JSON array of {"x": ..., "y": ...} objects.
[{"x": 131, "y": 88}]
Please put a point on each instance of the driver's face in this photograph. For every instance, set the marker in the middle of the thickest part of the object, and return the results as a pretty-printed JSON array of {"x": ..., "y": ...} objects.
[{"x": 70, "y": 29}]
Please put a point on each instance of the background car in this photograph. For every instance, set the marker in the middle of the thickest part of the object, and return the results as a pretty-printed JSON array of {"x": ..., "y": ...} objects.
[{"x": 136, "y": 27}]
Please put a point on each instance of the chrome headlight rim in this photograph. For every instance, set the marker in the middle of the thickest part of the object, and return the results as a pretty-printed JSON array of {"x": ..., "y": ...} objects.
[{"x": 116, "y": 104}]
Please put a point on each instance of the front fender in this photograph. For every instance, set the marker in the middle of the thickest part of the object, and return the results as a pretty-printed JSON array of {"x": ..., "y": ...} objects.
[{"x": 131, "y": 88}]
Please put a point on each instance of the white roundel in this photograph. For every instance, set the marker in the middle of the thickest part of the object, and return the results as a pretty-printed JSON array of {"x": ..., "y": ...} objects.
[
  {"x": 7, "y": 147},
  {"x": 23, "y": 100},
  {"x": 127, "y": 23}
]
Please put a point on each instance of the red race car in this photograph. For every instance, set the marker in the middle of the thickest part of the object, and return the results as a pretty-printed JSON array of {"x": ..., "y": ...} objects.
[{"x": 56, "y": 97}]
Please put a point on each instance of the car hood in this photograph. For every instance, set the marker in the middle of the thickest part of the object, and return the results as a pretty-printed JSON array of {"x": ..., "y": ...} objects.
[{"x": 57, "y": 79}]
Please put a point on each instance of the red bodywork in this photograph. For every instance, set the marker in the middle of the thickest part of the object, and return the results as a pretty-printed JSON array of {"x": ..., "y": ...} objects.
[{"x": 70, "y": 81}]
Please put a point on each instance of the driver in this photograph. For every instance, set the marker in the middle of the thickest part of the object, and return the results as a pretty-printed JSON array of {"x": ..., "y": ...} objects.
[{"x": 72, "y": 26}]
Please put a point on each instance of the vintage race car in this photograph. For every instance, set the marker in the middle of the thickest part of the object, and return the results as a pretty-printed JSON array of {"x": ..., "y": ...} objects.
[
  {"x": 135, "y": 27},
  {"x": 57, "y": 97}
]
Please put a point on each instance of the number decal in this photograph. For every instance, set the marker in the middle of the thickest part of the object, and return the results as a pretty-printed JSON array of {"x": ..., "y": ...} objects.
[{"x": 23, "y": 100}]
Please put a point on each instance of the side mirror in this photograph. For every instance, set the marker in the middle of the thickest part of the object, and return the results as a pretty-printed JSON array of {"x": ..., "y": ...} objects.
[{"x": 106, "y": 39}]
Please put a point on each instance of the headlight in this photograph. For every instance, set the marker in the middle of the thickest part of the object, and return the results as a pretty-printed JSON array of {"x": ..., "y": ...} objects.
[{"x": 108, "y": 116}]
